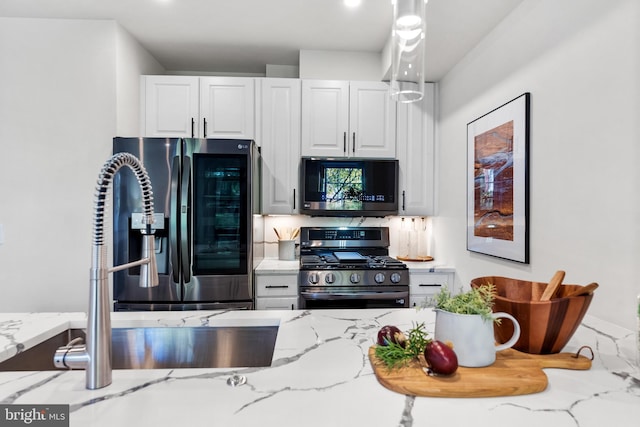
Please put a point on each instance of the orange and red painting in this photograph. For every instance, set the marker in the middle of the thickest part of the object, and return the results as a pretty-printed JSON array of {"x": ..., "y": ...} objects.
[{"x": 493, "y": 183}]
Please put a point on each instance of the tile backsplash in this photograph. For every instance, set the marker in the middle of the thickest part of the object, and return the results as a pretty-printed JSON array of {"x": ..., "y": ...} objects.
[{"x": 397, "y": 230}]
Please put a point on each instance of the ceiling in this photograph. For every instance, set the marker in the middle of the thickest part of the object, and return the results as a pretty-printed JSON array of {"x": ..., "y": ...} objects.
[{"x": 242, "y": 36}]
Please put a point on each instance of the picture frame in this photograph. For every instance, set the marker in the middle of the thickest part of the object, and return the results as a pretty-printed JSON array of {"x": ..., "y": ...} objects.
[{"x": 498, "y": 181}]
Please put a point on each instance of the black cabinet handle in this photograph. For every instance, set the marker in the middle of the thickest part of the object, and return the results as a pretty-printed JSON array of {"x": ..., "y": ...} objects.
[
  {"x": 193, "y": 127},
  {"x": 403, "y": 207},
  {"x": 205, "y": 127},
  {"x": 353, "y": 148},
  {"x": 294, "y": 199},
  {"x": 277, "y": 286},
  {"x": 344, "y": 142},
  {"x": 430, "y": 285}
]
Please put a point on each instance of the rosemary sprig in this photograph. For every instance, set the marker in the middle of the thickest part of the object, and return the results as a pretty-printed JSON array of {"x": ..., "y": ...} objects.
[
  {"x": 417, "y": 340},
  {"x": 394, "y": 355}
]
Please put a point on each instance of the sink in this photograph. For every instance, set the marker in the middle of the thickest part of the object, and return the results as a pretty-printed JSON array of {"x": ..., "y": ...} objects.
[{"x": 165, "y": 348}]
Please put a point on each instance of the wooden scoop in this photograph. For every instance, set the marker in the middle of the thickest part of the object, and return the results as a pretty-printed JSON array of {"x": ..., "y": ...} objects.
[
  {"x": 583, "y": 290},
  {"x": 553, "y": 286}
]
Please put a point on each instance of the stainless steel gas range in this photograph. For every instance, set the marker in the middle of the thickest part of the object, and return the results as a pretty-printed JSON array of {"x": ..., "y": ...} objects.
[{"x": 350, "y": 267}]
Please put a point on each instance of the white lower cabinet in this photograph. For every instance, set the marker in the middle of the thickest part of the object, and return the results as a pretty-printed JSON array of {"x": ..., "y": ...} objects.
[
  {"x": 277, "y": 291},
  {"x": 425, "y": 283}
]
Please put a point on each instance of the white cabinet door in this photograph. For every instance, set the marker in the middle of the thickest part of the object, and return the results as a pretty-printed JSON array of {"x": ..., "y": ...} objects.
[
  {"x": 416, "y": 155},
  {"x": 325, "y": 118},
  {"x": 227, "y": 107},
  {"x": 372, "y": 120},
  {"x": 170, "y": 106},
  {"x": 280, "y": 144},
  {"x": 347, "y": 119},
  {"x": 424, "y": 284}
]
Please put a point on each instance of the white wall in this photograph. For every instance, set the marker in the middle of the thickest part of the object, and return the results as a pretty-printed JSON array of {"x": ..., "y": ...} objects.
[
  {"x": 132, "y": 60},
  {"x": 57, "y": 120},
  {"x": 580, "y": 59},
  {"x": 338, "y": 65},
  {"x": 57, "y": 117}
]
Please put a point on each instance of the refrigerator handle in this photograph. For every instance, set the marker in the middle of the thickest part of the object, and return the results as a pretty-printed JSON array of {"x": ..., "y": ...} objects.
[
  {"x": 185, "y": 203},
  {"x": 173, "y": 220}
]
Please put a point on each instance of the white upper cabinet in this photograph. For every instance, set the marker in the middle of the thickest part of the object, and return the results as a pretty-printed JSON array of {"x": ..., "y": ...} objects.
[
  {"x": 415, "y": 136},
  {"x": 372, "y": 120},
  {"x": 325, "y": 118},
  {"x": 198, "y": 107},
  {"x": 169, "y": 106},
  {"x": 280, "y": 144},
  {"x": 347, "y": 119},
  {"x": 227, "y": 107}
]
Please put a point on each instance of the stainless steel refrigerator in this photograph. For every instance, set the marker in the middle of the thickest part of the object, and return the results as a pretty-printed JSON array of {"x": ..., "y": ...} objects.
[{"x": 206, "y": 192}]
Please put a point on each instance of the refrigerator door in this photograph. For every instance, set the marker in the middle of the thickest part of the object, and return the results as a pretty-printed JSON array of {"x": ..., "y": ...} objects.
[
  {"x": 217, "y": 259},
  {"x": 161, "y": 159}
]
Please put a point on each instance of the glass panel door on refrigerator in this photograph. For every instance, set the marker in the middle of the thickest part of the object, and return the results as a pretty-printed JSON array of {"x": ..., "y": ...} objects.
[{"x": 219, "y": 216}]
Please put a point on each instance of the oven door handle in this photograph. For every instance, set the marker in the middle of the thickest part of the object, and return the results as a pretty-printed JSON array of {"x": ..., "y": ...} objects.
[{"x": 353, "y": 295}]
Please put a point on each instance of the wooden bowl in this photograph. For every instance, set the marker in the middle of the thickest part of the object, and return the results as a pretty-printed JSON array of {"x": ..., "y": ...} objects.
[{"x": 546, "y": 326}]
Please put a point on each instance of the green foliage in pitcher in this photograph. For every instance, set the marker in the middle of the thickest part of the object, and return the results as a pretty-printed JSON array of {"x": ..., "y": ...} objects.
[{"x": 476, "y": 301}]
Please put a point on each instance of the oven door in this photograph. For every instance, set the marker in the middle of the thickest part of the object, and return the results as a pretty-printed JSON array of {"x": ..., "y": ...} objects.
[{"x": 327, "y": 297}]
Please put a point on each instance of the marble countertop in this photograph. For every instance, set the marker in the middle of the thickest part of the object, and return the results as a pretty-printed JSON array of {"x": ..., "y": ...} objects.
[
  {"x": 320, "y": 376},
  {"x": 276, "y": 266}
]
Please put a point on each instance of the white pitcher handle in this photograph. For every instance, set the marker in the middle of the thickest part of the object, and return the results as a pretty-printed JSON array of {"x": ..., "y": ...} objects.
[{"x": 516, "y": 330}]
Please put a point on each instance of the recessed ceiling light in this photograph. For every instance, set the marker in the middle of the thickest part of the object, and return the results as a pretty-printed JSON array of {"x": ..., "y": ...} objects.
[{"x": 352, "y": 3}]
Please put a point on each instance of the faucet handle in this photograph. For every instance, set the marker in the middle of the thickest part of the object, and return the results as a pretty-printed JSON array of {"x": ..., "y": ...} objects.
[{"x": 71, "y": 356}]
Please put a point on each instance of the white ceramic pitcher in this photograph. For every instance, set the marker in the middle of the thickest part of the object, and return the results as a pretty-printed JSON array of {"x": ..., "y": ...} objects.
[{"x": 472, "y": 336}]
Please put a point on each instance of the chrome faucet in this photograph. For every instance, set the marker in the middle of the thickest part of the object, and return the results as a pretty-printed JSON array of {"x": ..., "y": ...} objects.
[{"x": 95, "y": 356}]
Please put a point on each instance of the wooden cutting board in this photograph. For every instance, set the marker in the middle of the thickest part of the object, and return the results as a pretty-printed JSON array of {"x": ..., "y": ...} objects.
[{"x": 513, "y": 373}]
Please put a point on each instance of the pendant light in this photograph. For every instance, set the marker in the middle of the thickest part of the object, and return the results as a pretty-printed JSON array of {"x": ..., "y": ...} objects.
[{"x": 407, "y": 50}]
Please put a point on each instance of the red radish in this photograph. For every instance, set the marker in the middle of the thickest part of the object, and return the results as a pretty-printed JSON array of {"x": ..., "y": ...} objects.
[
  {"x": 388, "y": 334},
  {"x": 441, "y": 358}
]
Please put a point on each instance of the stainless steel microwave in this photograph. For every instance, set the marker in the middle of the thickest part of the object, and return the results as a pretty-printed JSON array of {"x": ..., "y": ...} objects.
[{"x": 348, "y": 187}]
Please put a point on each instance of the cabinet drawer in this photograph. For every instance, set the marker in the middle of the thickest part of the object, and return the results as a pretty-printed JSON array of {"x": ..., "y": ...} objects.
[
  {"x": 427, "y": 280},
  {"x": 286, "y": 303},
  {"x": 426, "y": 284},
  {"x": 429, "y": 283},
  {"x": 277, "y": 285}
]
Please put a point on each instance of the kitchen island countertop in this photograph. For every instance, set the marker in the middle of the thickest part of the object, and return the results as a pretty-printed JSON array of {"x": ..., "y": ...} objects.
[{"x": 320, "y": 376}]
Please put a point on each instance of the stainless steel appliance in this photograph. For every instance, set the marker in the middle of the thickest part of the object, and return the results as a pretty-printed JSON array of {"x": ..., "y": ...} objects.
[
  {"x": 350, "y": 267},
  {"x": 348, "y": 187},
  {"x": 205, "y": 195}
]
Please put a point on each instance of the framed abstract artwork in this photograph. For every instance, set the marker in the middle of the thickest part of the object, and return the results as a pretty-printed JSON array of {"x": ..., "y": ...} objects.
[{"x": 498, "y": 182}]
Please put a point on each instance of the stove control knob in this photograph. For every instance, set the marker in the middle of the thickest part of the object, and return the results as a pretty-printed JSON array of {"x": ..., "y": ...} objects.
[
  {"x": 313, "y": 278},
  {"x": 355, "y": 278},
  {"x": 379, "y": 278},
  {"x": 395, "y": 278},
  {"x": 330, "y": 278}
]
